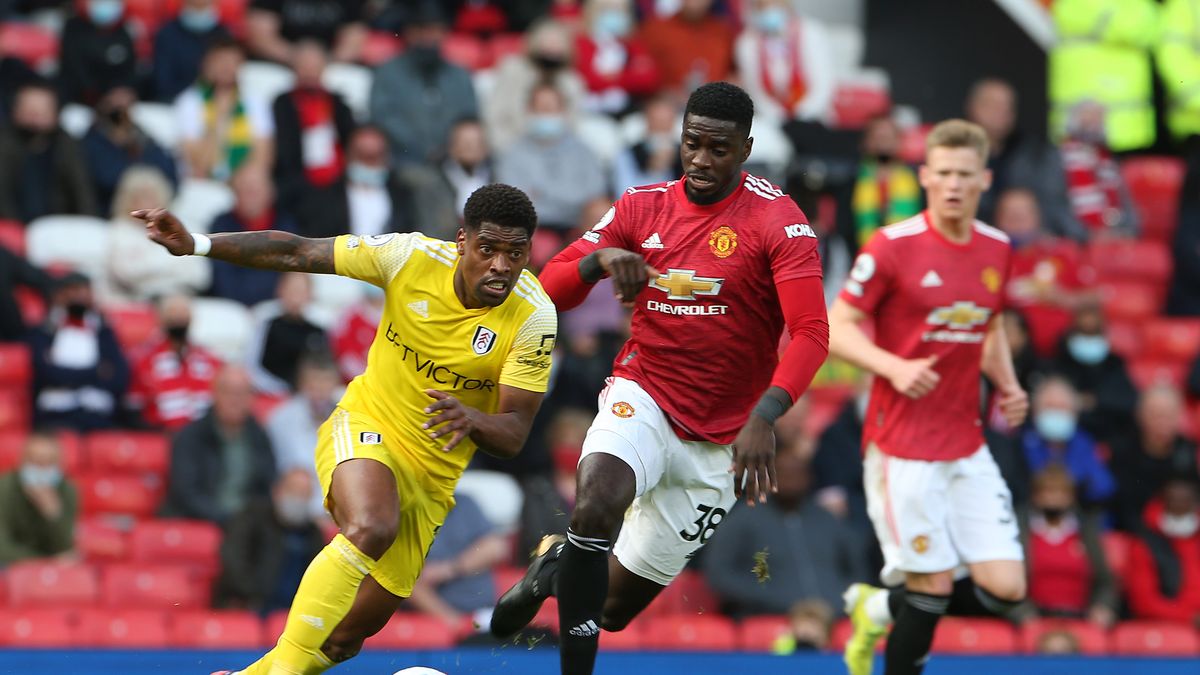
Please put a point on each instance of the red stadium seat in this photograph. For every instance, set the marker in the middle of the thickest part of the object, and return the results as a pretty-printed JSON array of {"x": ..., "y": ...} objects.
[
  {"x": 628, "y": 640},
  {"x": 193, "y": 543},
  {"x": 467, "y": 51},
  {"x": 1125, "y": 338},
  {"x": 547, "y": 616},
  {"x": 505, "y": 45},
  {"x": 27, "y": 628},
  {"x": 854, "y": 104},
  {"x": 273, "y": 627},
  {"x": 129, "y": 452},
  {"x": 43, "y": 583},
  {"x": 1155, "y": 638},
  {"x": 31, "y": 43},
  {"x": 1146, "y": 372},
  {"x": 1172, "y": 339},
  {"x": 134, "y": 323},
  {"x": 381, "y": 46},
  {"x": 32, "y": 304},
  {"x": 16, "y": 365},
  {"x": 12, "y": 236},
  {"x": 503, "y": 578},
  {"x": 413, "y": 631},
  {"x": 1092, "y": 639},
  {"x": 759, "y": 633},
  {"x": 14, "y": 408},
  {"x": 103, "y": 493},
  {"x": 1116, "y": 552},
  {"x": 974, "y": 636},
  {"x": 1154, "y": 184},
  {"x": 692, "y": 633},
  {"x": 1126, "y": 260},
  {"x": 265, "y": 404},
  {"x": 207, "y": 629},
  {"x": 99, "y": 540},
  {"x": 1131, "y": 300},
  {"x": 690, "y": 594},
  {"x": 149, "y": 587},
  {"x": 123, "y": 628}
]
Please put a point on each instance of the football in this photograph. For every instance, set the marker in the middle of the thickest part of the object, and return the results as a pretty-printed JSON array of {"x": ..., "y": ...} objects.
[{"x": 419, "y": 670}]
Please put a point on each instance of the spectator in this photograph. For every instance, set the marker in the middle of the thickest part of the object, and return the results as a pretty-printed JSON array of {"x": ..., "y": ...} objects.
[
  {"x": 355, "y": 331},
  {"x": 15, "y": 271},
  {"x": 38, "y": 506},
  {"x": 1098, "y": 194},
  {"x": 810, "y": 623},
  {"x": 79, "y": 373},
  {"x": 551, "y": 163},
  {"x": 886, "y": 190},
  {"x": 172, "y": 378},
  {"x": 784, "y": 61},
  {"x": 837, "y": 467},
  {"x": 1163, "y": 580},
  {"x": 139, "y": 269},
  {"x": 179, "y": 46},
  {"x": 97, "y": 53},
  {"x": 114, "y": 143},
  {"x": 1058, "y": 642},
  {"x": 549, "y": 58},
  {"x": 655, "y": 158},
  {"x": 1155, "y": 451},
  {"x": 292, "y": 427},
  {"x": 1055, "y": 438},
  {"x": 1047, "y": 279},
  {"x": 764, "y": 560},
  {"x": 1019, "y": 160},
  {"x": 273, "y": 26},
  {"x": 468, "y": 164},
  {"x": 1068, "y": 573},
  {"x": 254, "y": 209},
  {"x": 616, "y": 68},
  {"x": 1106, "y": 393},
  {"x": 312, "y": 128},
  {"x": 267, "y": 546},
  {"x": 42, "y": 169},
  {"x": 220, "y": 126},
  {"x": 370, "y": 199},
  {"x": 417, "y": 96},
  {"x": 14, "y": 74},
  {"x": 284, "y": 336},
  {"x": 222, "y": 461},
  {"x": 456, "y": 581},
  {"x": 691, "y": 48},
  {"x": 1178, "y": 61}
]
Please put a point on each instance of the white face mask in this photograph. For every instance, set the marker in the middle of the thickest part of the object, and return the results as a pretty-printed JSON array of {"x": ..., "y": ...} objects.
[
  {"x": 33, "y": 475},
  {"x": 292, "y": 511},
  {"x": 1179, "y": 527}
]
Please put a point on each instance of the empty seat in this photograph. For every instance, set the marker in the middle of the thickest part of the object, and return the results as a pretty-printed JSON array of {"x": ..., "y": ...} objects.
[
  {"x": 860, "y": 96},
  {"x": 498, "y": 495},
  {"x": 691, "y": 633},
  {"x": 221, "y": 326},
  {"x": 38, "y": 583},
  {"x": 1125, "y": 260},
  {"x": 100, "y": 540},
  {"x": 688, "y": 594},
  {"x": 1155, "y": 638},
  {"x": 12, "y": 236},
  {"x": 628, "y": 640},
  {"x": 504, "y": 45},
  {"x": 158, "y": 121},
  {"x": 33, "y": 44},
  {"x": 16, "y": 364},
  {"x": 128, "y": 452},
  {"x": 150, "y": 587},
  {"x": 1131, "y": 300},
  {"x": 1125, "y": 338},
  {"x": 467, "y": 51},
  {"x": 76, "y": 119},
  {"x": 103, "y": 493},
  {"x": 413, "y": 631},
  {"x": 273, "y": 627},
  {"x": 601, "y": 134},
  {"x": 216, "y": 630},
  {"x": 266, "y": 80},
  {"x": 30, "y": 627},
  {"x": 1154, "y": 184},
  {"x": 1146, "y": 372},
  {"x": 199, "y": 201},
  {"x": 759, "y": 633},
  {"x": 123, "y": 628},
  {"x": 78, "y": 242},
  {"x": 381, "y": 46},
  {"x": 974, "y": 636},
  {"x": 14, "y": 407},
  {"x": 353, "y": 82},
  {"x": 134, "y": 323},
  {"x": 1171, "y": 339},
  {"x": 1091, "y": 638},
  {"x": 193, "y": 543}
]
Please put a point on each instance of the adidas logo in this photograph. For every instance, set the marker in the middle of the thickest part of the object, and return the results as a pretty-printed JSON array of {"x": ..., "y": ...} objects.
[
  {"x": 652, "y": 241},
  {"x": 314, "y": 621},
  {"x": 421, "y": 307},
  {"x": 585, "y": 629},
  {"x": 931, "y": 280}
]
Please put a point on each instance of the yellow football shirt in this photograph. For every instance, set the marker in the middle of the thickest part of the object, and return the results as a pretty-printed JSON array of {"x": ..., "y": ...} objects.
[{"x": 427, "y": 340}]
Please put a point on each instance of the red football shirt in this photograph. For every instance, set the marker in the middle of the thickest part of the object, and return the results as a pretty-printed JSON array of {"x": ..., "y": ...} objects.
[
  {"x": 929, "y": 297},
  {"x": 705, "y": 332},
  {"x": 172, "y": 391}
]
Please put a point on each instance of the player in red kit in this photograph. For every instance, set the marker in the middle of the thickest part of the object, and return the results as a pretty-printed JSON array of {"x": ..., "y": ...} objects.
[
  {"x": 715, "y": 265},
  {"x": 934, "y": 287}
]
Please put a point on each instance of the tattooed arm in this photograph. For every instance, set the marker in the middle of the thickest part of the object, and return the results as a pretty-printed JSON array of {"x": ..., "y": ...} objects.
[{"x": 269, "y": 249}]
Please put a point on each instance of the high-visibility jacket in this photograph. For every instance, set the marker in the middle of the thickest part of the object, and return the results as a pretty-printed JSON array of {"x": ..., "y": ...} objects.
[
  {"x": 1103, "y": 55},
  {"x": 1178, "y": 58}
]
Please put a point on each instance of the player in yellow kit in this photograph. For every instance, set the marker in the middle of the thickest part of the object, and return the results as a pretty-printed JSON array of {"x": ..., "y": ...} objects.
[{"x": 460, "y": 361}]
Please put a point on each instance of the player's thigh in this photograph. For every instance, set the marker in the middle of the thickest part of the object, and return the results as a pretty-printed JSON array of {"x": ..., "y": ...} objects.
[
  {"x": 628, "y": 595},
  {"x": 982, "y": 521},
  {"x": 907, "y": 502},
  {"x": 373, "y": 606},
  {"x": 629, "y": 426}
]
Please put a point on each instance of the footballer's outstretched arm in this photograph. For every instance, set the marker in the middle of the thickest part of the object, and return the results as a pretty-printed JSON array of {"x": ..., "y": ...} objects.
[
  {"x": 847, "y": 341},
  {"x": 501, "y": 434},
  {"x": 269, "y": 249}
]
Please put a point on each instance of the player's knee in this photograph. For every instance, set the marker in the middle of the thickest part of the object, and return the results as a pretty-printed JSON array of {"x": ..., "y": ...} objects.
[
  {"x": 339, "y": 648},
  {"x": 596, "y": 516},
  {"x": 372, "y": 536},
  {"x": 614, "y": 622}
]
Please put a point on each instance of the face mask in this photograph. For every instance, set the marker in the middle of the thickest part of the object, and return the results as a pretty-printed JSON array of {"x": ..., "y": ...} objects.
[
  {"x": 199, "y": 20},
  {"x": 884, "y": 157},
  {"x": 76, "y": 310},
  {"x": 425, "y": 57},
  {"x": 40, "y": 476},
  {"x": 548, "y": 62},
  {"x": 30, "y": 135},
  {"x": 1054, "y": 513},
  {"x": 1056, "y": 426},
  {"x": 547, "y": 126},
  {"x": 177, "y": 332},
  {"x": 292, "y": 511},
  {"x": 105, "y": 12},
  {"x": 1179, "y": 527},
  {"x": 771, "y": 20},
  {"x": 612, "y": 23},
  {"x": 1088, "y": 349},
  {"x": 374, "y": 176}
]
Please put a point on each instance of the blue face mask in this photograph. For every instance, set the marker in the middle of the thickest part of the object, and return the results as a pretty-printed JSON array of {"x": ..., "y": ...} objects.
[
  {"x": 612, "y": 23},
  {"x": 772, "y": 20},
  {"x": 40, "y": 476},
  {"x": 547, "y": 126},
  {"x": 1056, "y": 426},
  {"x": 1088, "y": 349},
  {"x": 374, "y": 176},
  {"x": 199, "y": 20},
  {"x": 105, "y": 12}
]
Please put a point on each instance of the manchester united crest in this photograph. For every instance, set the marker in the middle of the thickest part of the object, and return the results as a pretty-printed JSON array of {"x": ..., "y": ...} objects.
[
  {"x": 920, "y": 543},
  {"x": 622, "y": 409},
  {"x": 991, "y": 279},
  {"x": 723, "y": 241}
]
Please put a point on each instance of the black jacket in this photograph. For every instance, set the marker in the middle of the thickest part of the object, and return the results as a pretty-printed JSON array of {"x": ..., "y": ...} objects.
[
  {"x": 289, "y": 149},
  {"x": 66, "y": 182},
  {"x": 325, "y": 212},
  {"x": 94, "y": 60},
  {"x": 1109, "y": 382},
  {"x": 16, "y": 271},
  {"x": 197, "y": 469},
  {"x": 83, "y": 399}
]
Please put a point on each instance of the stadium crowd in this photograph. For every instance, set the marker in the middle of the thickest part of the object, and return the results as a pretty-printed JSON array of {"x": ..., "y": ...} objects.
[{"x": 158, "y": 414}]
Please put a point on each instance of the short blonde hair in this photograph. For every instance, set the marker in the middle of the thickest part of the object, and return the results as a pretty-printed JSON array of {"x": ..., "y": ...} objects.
[
  {"x": 958, "y": 134},
  {"x": 135, "y": 180}
]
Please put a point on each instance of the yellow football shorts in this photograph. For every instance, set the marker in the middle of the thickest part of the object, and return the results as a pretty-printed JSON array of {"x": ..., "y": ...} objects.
[{"x": 351, "y": 435}]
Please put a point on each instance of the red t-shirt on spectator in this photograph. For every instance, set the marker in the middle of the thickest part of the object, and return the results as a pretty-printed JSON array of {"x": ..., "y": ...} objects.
[
  {"x": 1039, "y": 270},
  {"x": 1060, "y": 575},
  {"x": 172, "y": 390},
  {"x": 637, "y": 76}
]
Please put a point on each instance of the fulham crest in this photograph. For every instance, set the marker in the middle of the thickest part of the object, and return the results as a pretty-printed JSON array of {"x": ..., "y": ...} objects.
[{"x": 484, "y": 340}]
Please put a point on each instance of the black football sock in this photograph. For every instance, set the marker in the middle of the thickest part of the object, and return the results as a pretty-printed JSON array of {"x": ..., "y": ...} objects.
[
  {"x": 582, "y": 586},
  {"x": 910, "y": 639},
  {"x": 967, "y": 599},
  {"x": 896, "y": 601}
]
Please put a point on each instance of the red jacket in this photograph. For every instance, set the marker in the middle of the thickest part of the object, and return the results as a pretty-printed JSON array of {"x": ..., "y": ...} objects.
[
  {"x": 1146, "y": 599},
  {"x": 169, "y": 390}
]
